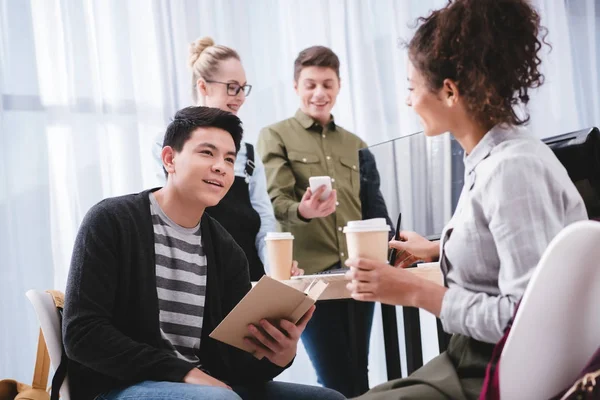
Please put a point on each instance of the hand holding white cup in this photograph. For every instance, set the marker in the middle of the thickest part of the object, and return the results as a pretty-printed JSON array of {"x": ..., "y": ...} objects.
[{"x": 368, "y": 242}]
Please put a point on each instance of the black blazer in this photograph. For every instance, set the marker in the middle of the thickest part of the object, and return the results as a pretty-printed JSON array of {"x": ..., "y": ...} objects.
[{"x": 371, "y": 200}]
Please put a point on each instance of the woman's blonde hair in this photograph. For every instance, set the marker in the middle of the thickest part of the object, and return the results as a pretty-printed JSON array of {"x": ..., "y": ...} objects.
[{"x": 204, "y": 60}]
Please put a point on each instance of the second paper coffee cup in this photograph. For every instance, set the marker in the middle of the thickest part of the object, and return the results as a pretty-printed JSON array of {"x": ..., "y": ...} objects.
[
  {"x": 368, "y": 239},
  {"x": 280, "y": 248}
]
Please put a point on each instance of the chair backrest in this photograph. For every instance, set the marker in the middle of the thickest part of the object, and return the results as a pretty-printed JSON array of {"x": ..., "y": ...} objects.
[
  {"x": 557, "y": 327},
  {"x": 579, "y": 152},
  {"x": 49, "y": 319}
]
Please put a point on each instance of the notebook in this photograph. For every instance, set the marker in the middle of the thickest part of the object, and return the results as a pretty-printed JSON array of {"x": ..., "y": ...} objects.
[{"x": 290, "y": 304}]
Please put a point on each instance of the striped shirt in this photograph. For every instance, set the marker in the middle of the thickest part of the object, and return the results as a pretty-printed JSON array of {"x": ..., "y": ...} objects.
[{"x": 180, "y": 283}]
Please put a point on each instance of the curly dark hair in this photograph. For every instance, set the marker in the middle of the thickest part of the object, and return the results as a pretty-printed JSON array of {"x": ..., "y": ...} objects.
[{"x": 489, "y": 48}]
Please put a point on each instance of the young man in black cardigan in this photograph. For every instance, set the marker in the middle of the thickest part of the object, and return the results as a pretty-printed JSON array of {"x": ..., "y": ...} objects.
[{"x": 152, "y": 275}]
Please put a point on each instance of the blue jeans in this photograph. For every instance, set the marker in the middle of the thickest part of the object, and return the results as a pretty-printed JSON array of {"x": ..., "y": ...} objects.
[
  {"x": 339, "y": 357},
  {"x": 150, "y": 390}
]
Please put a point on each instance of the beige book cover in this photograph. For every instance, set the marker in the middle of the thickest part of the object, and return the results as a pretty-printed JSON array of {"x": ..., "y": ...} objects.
[{"x": 271, "y": 300}]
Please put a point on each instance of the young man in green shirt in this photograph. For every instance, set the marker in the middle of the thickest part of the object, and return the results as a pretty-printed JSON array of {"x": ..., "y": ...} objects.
[{"x": 293, "y": 150}]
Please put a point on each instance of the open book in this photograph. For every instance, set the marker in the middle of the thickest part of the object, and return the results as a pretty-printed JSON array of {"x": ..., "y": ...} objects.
[{"x": 271, "y": 300}]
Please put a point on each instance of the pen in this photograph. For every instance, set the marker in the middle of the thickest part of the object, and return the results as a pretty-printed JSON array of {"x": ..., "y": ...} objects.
[{"x": 393, "y": 253}]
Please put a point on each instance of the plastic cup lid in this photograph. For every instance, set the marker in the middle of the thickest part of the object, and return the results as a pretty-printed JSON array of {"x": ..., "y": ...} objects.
[
  {"x": 367, "y": 225},
  {"x": 278, "y": 236}
]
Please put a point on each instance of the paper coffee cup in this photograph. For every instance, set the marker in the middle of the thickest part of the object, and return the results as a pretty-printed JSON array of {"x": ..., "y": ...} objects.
[
  {"x": 280, "y": 249},
  {"x": 368, "y": 239}
]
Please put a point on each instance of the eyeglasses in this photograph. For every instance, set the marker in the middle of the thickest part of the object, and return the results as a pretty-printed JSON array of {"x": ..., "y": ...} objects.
[{"x": 233, "y": 88}]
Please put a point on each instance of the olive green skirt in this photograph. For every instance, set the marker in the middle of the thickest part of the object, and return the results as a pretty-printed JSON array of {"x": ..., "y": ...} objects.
[{"x": 455, "y": 374}]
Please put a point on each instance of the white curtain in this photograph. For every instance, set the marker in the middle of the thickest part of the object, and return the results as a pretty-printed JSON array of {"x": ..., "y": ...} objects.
[
  {"x": 570, "y": 98},
  {"x": 85, "y": 85}
]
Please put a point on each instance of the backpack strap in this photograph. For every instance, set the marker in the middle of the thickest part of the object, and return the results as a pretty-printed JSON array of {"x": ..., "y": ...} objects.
[{"x": 249, "y": 169}]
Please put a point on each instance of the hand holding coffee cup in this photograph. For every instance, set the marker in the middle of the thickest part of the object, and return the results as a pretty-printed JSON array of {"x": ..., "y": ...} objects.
[
  {"x": 368, "y": 242},
  {"x": 280, "y": 247},
  {"x": 311, "y": 206},
  {"x": 295, "y": 270}
]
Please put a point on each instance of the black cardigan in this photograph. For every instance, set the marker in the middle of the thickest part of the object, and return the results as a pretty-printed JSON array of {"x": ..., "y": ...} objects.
[{"x": 111, "y": 325}]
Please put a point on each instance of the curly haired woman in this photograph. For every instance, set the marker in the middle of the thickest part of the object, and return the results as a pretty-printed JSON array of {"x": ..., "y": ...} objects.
[{"x": 472, "y": 64}]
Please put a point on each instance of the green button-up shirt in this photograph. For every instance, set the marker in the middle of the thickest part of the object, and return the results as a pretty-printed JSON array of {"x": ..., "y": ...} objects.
[{"x": 292, "y": 151}]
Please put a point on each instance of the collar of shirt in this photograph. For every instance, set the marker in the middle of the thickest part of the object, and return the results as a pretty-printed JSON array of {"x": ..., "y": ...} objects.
[
  {"x": 491, "y": 139},
  {"x": 309, "y": 124}
]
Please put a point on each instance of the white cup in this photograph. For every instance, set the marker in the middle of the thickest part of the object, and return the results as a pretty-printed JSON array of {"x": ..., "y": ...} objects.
[
  {"x": 368, "y": 239},
  {"x": 280, "y": 249}
]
